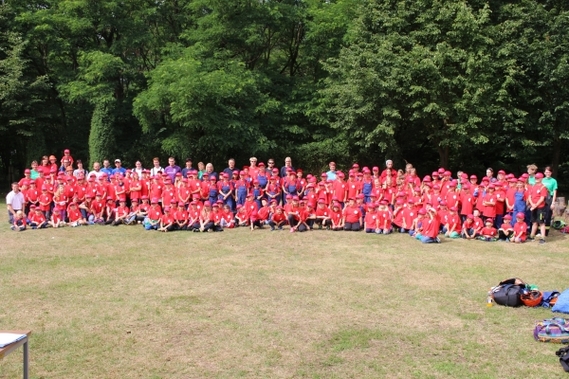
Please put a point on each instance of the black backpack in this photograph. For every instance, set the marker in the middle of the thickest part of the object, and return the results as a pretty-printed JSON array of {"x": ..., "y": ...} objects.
[{"x": 508, "y": 292}]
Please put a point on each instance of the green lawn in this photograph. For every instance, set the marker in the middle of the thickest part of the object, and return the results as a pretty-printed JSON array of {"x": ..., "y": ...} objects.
[{"x": 121, "y": 302}]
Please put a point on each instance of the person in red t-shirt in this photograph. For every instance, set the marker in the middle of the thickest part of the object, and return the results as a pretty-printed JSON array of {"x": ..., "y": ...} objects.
[
  {"x": 488, "y": 233},
  {"x": 385, "y": 218},
  {"x": 506, "y": 231},
  {"x": 430, "y": 226},
  {"x": 371, "y": 220},
  {"x": 537, "y": 195},
  {"x": 166, "y": 221},
  {"x": 322, "y": 215},
  {"x": 468, "y": 230},
  {"x": 37, "y": 218},
  {"x": 194, "y": 217},
  {"x": 520, "y": 229},
  {"x": 74, "y": 215},
  {"x": 452, "y": 226},
  {"x": 121, "y": 213},
  {"x": 154, "y": 216},
  {"x": 352, "y": 216},
  {"x": 278, "y": 219}
]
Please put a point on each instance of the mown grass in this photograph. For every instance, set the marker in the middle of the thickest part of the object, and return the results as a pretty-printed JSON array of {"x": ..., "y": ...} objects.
[{"x": 108, "y": 302}]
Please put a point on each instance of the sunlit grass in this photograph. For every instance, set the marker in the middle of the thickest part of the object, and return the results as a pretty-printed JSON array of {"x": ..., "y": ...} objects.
[{"x": 121, "y": 302}]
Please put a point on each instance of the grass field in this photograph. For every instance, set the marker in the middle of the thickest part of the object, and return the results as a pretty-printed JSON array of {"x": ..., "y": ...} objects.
[{"x": 120, "y": 302}]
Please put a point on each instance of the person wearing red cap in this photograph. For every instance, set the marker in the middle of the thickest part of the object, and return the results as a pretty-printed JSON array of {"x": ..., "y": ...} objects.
[
  {"x": 537, "y": 205},
  {"x": 489, "y": 203},
  {"x": 488, "y": 233},
  {"x": 121, "y": 213},
  {"x": 468, "y": 229},
  {"x": 371, "y": 219},
  {"x": 430, "y": 226},
  {"x": 154, "y": 216},
  {"x": 340, "y": 189},
  {"x": 166, "y": 221},
  {"x": 336, "y": 217},
  {"x": 322, "y": 214},
  {"x": 56, "y": 221},
  {"x": 241, "y": 216},
  {"x": 385, "y": 218},
  {"x": 241, "y": 186},
  {"x": 352, "y": 216},
  {"x": 506, "y": 231},
  {"x": 278, "y": 219},
  {"x": 467, "y": 201},
  {"x": 37, "y": 218},
  {"x": 416, "y": 229},
  {"x": 452, "y": 226},
  {"x": 520, "y": 229},
  {"x": 74, "y": 215},
  {"x": 98, "y": 210}
]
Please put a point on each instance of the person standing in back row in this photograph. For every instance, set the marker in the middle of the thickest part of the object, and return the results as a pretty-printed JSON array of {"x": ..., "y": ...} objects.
[{"x": 286, "y": 167}]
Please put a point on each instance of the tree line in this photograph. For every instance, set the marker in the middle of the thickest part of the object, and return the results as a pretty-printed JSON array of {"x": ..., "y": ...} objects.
[{"x": 458, "y": 84}]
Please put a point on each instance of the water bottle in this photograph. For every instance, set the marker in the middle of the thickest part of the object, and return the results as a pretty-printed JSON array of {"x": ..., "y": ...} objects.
[{"x": 489, "y": 300}]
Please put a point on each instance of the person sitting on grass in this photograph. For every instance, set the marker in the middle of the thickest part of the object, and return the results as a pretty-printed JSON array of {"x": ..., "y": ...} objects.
[
  {"x": 488, "y": 233},
  {"x": 194, "y": 217},
  {"x": 478, "y": 222},
  {"x": 227, "y": 218},
  {"x": 520, "y": 229},
  {"x": 452, "y": 226},
  {"x": 416, "y": 226},
  {"x": 180, "y": 217},
  {"x": 431, "y": 226},
  {"x": 468, "y": 228},
  {"x": 506, "y": 231},
  {"x": 20, "y": 222},
  {"x": 74, "y": 215},
  {"x": 352, "y": 216},
  {"x": 322, "y": 215},
  {"x": 278, "y": 219},
  {"x": 336, "y": 219},
  {"x": 166, "y": 221},
  {"x": 121, "y": 214},
  {"x": 371, "y": 220},
  {"x": 304, "y": 221},
  {"x": 56, "y": 220},
  {"x": 97, "y": 210},
  {"x": 241, "y": 217},
  {"x": 37, "y": 218},
  {"x": 110, "y": 211},
  {"x": 385, "y": 218},
  {"x": 216, "y": 216},
  {"x": 152, "y": 220}
]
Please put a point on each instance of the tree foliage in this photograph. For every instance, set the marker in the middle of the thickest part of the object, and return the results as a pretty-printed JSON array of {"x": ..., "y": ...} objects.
[{"x": 435, "y": 82}]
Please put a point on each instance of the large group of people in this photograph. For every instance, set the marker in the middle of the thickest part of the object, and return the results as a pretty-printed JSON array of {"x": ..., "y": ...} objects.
[{"x": 56, "y": 193}]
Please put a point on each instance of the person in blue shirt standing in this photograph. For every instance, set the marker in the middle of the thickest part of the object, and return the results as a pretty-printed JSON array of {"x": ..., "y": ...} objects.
[
  {"x": 107, "y": 169},
  {"x": 331, "y": 175},
  {"x": 118, "y": 168}
]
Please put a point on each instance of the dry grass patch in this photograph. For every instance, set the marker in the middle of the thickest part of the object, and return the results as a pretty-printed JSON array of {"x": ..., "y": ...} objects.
[{"x": 120, "y": 302}]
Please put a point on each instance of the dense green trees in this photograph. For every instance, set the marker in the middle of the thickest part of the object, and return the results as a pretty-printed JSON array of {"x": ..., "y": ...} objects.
[{"x": 459, "y": 84}]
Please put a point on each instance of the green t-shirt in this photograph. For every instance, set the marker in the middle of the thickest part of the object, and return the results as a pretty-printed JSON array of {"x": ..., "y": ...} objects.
[{"x": 550, "y": 184}]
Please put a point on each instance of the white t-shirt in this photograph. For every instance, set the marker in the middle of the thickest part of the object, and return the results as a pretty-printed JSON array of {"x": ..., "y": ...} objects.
[
  {"x": 16, "y": 200},
  {"x": 155, "y": 170}
]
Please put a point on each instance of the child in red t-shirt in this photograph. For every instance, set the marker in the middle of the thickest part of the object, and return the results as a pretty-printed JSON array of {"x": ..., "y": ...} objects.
[
  {"x": 488, "y": 233},
  {"x": 506, "y": 231},
  {"x": 520, "y": 229}
]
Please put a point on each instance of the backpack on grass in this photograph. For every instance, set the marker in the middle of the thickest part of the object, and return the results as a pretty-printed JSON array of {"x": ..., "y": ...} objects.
[
  {"x": 554, "y": 330},
  {"x": 563, "y": 355},
  {"x": 508, "y": 292}
]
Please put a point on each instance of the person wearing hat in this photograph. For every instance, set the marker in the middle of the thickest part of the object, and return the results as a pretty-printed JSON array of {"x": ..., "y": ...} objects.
[
  {"x": 336, "y": 216},
  {"x": 468, "y": 230},
  {"x": 241, "y": 186},
  {"x": 225, "y": 191},
  {"x": 430, "y": 226},
  {"x": 385, "y": 218},
  {"x": 520, "y": 228},
  {"x": 119, "y": 169},
  {"x": 506, "y": 231},
  {"x": 98, "y": 210},
  {"x": 488, "y": 233},
  {"x": 154, "y": 216},
  {"x": 340, "y": 189},
  {"x": 166, "y": 221},
  {"x": 416, "y": 228},
  {"x": 37, "y": 218},
  {"x": 169, "y": 193},
  {"x": 227, "y": 217},
  {"x": 74, "y": 215},
  {"x": 56, "y": 221},
  {"x": 121, "y": 213},
  {"x": 371, "y": 219},
  {"x": 352, "y": 216},
  {"x": 537, "y": 206},
  {"x": 489, "y": 202},
  {"x": 452, "y": 225}
]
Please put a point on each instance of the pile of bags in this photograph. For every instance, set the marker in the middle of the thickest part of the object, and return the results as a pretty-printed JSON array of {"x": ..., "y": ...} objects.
[{"x": 515, "y": 292}]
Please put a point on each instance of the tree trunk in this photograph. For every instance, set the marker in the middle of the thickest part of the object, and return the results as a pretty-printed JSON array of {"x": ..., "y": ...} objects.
[{"x": 443, "y": 156}]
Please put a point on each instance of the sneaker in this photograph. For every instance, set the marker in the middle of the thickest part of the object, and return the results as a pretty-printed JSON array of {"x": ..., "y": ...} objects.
[
  {"x": 280, "y": 228},
  {"x": 272, "y": 229},
  {"x": 541, "y": 241},
  {"x": 292, "y": 230}
]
